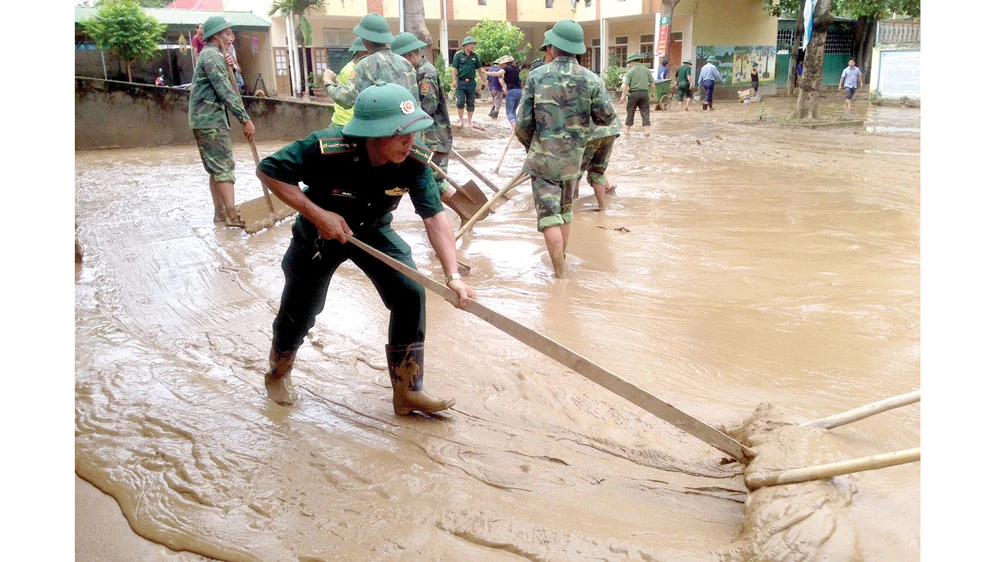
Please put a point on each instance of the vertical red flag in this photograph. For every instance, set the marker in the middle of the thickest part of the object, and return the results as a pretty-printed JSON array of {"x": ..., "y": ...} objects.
[{"x": 661, "y": 49}]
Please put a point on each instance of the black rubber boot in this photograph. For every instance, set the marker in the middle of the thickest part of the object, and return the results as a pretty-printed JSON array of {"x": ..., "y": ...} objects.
[{"x": 406, "y": 372}]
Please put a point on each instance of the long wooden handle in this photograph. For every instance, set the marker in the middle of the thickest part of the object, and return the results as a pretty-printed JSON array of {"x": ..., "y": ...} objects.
[
  {"x": 504, "y": 153},
  {"x": 865, "y": 411},
  {"x": 595, "y": 373},
  {"x": 486, "y": 206},
  {"x": 824, "y": 471},
  {"x": 438, "y": 169},
  {"x": 253, "y": 145},
  {"x": 458, "y": 156}
]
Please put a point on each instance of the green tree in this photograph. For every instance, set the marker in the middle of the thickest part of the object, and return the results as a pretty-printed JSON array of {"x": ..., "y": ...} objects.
[
  {"x": 613, "y": 78},
  {"x": 868, "y": 13},
  {"x": 444, "y": 73},
  {"x": 497, "y": 38},
  {"x": 125, "y": 30}
]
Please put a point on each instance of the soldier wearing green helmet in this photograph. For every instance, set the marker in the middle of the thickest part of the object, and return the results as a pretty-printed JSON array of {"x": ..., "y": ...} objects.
[
  {"x": 560, "y": 102},
  {"x": 212, "y": 93},
  {"x": 635, "y": 87},
  {"x": 341, "y": 115},
  {"x": 380, "y": 65},
  {"x": 464, "y": 67},
  {"x": 355, "y": 176}
]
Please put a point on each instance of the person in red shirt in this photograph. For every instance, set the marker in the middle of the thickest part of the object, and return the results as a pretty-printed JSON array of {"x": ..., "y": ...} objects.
[{"x": 198, "y": 39}]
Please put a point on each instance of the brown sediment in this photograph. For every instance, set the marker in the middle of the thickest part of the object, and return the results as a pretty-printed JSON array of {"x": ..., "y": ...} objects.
[{"x": 765, "y": 265}]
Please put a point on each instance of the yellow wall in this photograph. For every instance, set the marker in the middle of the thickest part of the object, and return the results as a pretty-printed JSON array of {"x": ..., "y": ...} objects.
[
  {"x": 632, "y": 28},
  {"x": 585, "y": 14},
  {"x": 616, "y": 8},
  {"x": 390, "y": 8},
  {"x": 734, "y": 23},
  {"x": 535, "y": 10},
  {"x": 495, "y": 10}
]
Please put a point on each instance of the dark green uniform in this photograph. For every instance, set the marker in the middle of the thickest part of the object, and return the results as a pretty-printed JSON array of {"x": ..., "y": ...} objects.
[
  {"x": 683, "y": 79},
  {"x": 340, "y": 178},
  {"x": 466, "y": 67},
  {"x": 434, "y": 103}
]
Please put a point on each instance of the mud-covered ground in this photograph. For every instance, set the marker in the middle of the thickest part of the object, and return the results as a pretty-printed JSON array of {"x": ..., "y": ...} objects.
[{"x": 741, "y": 262}]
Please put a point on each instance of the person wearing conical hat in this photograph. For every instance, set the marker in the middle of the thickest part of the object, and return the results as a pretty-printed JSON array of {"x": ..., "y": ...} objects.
[
  {"x": 212, "y": 94},
  {"x": 638, "y": 80},
  {"x": 560, "y": 100},
  {"x": 707, "y": 78},
  {"x": 355, "y": 176},
  {"x": 341, "y": 115},
  {"x": 380, "y": 64}
]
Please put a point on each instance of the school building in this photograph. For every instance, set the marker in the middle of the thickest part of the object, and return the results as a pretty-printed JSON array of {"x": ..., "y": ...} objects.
[{"x": 738, "y": 32}]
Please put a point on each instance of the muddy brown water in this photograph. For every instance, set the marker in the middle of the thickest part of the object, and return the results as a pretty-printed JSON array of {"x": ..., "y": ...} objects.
[{"x": 739, "y": 264}]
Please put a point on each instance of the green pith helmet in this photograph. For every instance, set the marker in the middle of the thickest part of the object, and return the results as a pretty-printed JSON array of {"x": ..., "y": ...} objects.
[
  {"x": 406, "y": 42},
  {"x": 712, "y": 59},
  {"x": 358, "y": 46},
  {"x": 543, "y": 45},
  {"x": 567, "y": 36},
  {"x": 468, "y": 39},
  {"x": 214, "y": 25},
  {"x": 374, "y": 28},
  {"x": 687, "y": 62},
  {"x": 634, "y": 57},
  {"x": 386, "y": 110}
]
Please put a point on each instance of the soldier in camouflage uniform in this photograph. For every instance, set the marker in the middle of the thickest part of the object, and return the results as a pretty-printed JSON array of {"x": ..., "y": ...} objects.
[
  {"x": 433, "y": 101},
  {"x": 341, "y": 115},
  {"x": 355, "y": 176},
  {"x": 212, "y": 94},
  {"x": 380, "y": 65},
  {"x": 597, "y": 156},
  {"x": 561, "y": 99}
]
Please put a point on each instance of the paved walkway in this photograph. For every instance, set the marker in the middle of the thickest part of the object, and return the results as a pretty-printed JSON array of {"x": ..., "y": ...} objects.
[{"x": 891, "y": 118}]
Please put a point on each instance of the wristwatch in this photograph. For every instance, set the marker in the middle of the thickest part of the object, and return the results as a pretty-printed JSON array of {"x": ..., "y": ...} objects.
[{"x": 449, "y": 277}]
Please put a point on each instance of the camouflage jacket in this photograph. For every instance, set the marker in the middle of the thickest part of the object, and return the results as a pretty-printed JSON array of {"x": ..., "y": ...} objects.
[
  {"x": 212, "y": 93},
  {"x": 560, "y": 101},
  {"x": 382, "y": 65},
  {"x": 434, "y": 102},
  {"x": 598, "y": 132}
]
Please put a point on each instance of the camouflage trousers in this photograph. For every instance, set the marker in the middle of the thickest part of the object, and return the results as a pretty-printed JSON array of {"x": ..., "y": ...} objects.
[
  {"x": 441, "y": 159},
  {"x": 216, "y": 149},
  {"x": 553, "y": 201},
  {"x": 596, "y": 157}
]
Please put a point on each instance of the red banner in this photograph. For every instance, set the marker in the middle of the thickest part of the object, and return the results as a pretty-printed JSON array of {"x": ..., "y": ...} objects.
[{"x": 661, "y": 49}]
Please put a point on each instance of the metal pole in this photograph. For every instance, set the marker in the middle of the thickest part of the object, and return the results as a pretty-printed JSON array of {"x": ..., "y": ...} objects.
[
  {"x": 656, "y": 44},
  {"x": 444, "y": 31},
  {"x": 401, "y": 9}
]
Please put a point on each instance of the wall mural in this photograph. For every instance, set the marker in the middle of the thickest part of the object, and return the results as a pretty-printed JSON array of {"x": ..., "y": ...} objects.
[{"x": 735, "y": 62}]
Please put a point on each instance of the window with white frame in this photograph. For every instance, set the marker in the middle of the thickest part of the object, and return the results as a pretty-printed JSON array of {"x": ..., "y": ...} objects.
[
  {"x": 646, "y": 46},
  {"x": 618, "y": 52}
]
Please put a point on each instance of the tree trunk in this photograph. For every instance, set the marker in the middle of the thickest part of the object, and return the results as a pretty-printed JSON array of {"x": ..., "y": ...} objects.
[
  {"x": 413, "y": 19},
  {"x": 128, "y": 69},
  {"x": 864, "y": 42},
  {"x": 812, "y": 72},
  {"x": 794, "y": 49}
]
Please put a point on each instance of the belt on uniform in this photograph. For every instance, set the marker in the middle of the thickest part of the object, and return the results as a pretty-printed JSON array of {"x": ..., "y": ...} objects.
[{"x": 466, "y": 79}]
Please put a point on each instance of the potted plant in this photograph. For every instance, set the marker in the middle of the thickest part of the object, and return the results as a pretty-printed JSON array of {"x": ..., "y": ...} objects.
[{"x": 316, "y": 88}]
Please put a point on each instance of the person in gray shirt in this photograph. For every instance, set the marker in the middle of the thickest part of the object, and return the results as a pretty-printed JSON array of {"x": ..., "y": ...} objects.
[
  {"x": 706, "y": 79},
  {"x": 850, "y": 80}
]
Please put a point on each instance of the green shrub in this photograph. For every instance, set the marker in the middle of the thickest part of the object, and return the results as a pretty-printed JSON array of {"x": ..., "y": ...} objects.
[
  {"x": 613, "y": 78},
  {"x": 444, "y": 73}
]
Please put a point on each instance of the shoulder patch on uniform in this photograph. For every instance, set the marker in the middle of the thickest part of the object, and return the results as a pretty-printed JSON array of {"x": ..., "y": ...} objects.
[
  {"x": 352, "y": 75},
  {"x": 425, "y": 88},
  {"x": 421, "y": 153},
  {"x": 335, "y": 145}
]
